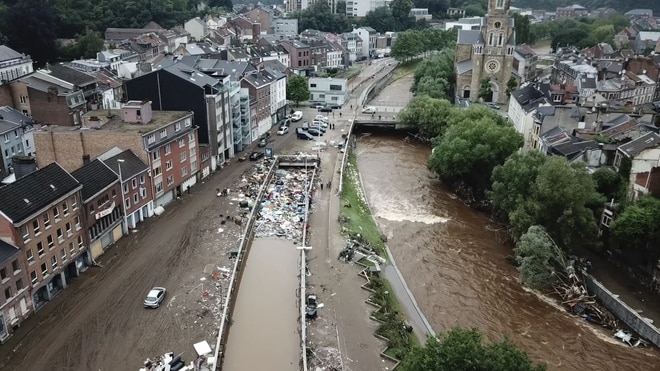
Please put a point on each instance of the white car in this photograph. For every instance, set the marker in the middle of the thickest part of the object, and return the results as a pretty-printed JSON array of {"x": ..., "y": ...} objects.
[
  {"x": 155, "y": 297},
  {"x": 283, "y": 130},
  {"x": 321, "y": 118},
  {"x": 323, "y": 124},
  {"x": 297, "y": 116},
  {"x": 369, "y": 110}
]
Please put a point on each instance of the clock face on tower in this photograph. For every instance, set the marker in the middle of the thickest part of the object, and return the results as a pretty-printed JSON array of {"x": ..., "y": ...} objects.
[{"x": 492, "y": 66}]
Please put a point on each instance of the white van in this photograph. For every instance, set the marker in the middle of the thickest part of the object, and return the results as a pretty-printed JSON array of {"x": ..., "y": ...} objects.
[{"x": 297, "y": 116}]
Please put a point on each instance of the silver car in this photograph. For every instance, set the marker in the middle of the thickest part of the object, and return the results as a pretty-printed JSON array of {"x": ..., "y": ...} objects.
[{"x": 155, "y": 297}]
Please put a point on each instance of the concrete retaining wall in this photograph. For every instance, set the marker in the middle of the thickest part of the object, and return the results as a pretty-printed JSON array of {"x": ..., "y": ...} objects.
[{"x": 622, "y": 311}]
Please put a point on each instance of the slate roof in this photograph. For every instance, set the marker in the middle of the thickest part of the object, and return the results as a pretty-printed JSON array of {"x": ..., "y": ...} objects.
[
  {"x": 131, "y": 166},
  {"x": 7, "y": 251},
  {"x": 7, "y": 53},
  {"x": 464, "y": 66},
  {"x": 527, "y": 95},
  {"x": 35, "y": 191},
  {"x": 94, "y": 177},
  {"x": 11, "y": 114},
  {"x": 468, "y": 36},
  {"x": 574, "y": 148},
  {"x": 71, "y": 75},
  {"x": 191, "y": 75},
  {"x": 635, "y": 147}
]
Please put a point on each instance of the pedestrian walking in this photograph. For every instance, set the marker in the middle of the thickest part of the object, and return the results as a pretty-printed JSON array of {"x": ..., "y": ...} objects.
[
  {"x": 333, "y": 113},
  {"x": 351, "y": 106},
  {"x": 339, "y": 114},
  {"x": 330, "y": 184},
  {"x": 321, "y": 186}
]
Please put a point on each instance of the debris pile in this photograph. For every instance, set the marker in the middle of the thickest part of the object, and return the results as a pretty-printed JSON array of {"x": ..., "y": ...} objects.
[
  {"x": 167, "y": 361},
  {"x": 356, "y": 250},
  {"x": 282, "y": 211},
  {"x": 324, "y": 359}
]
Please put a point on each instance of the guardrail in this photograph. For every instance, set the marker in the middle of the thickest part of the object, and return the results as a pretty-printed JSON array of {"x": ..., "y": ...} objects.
[
  {"x": 236, "y": 274},
  {"x": 303, "y": 277}
]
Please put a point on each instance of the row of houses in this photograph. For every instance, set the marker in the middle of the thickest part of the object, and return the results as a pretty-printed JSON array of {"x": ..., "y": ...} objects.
[{"x": 95, "y": 186}]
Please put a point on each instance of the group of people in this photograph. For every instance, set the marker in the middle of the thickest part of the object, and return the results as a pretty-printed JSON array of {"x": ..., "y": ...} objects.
[{"x": 328, "y": 185}]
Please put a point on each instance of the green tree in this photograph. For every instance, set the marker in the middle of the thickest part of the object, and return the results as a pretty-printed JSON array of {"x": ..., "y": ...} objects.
[
  {"x": 639, "y": 223},
  {"x": 297, "y": 89},
  {"x": 440, "y": 66},
  {"x": 434, "y": 87},
  {"x": 485, "y": 89},
  {"x": 408, "y": 45},
  {"x": 558, "y": 201},
  {"x": 380, "y": 19},
  {"x": 227, "y": 4},
  {"x": 475, "y": 113},
  {"x": 513, "y": 180},
  {"x": 29, "y": 26},
  {"x": 539, "y": 259},
  {"x": 427, "y": 114},
  {"x": 401, "y": 14},
  {"x": 609, "y": 184},
  {"x": 474, "y": 10},
  {"x": 320, "y": 17},
  {"x": 89, "y": 43},
  {"x": 511, "y": 86},
  {"x": 469, "y": 151},
  {"x": 523, "y": 32},
  {"x": 465, "y": 349}
]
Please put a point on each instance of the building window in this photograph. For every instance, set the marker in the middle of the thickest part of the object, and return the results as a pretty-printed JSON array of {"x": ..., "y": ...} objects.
[
  {"x": 53, "y": 261},
  {"x": 187, "y": 122},
  {"x": 170, "y": 180},
  {"x": 157, "y": 171},
  {"x": 74, "y": 202},
  {"x": 56, "y": 214},
  {"x": 72, "y": 248},
  {"x": 159, "y": 187},
  {"x": 151, "y": 139},
  {"x": 50, "y": 241},
  {"x": 33, "y": 277},
  {"x": 23, "y": 99},
  {"x": 76, "y": 221},
  {"x": 182, "y": 156},
  {"x": 500, "y": 39},
  {"x": 193, "y": 165},
  {"x": 182, "y": 142},
  {"x": 499, "y": 4},
  {"x": 14, "y": 267},
  {"x": 191, "y": 139},
  {"x": 8, "y": 293},
  {"x": 3, "y": 274},
  {"x": 491, "y": 38},
  {"x": 65, "y": 208},
  {"x": 68, "y": 230},
  {"x": 25, "y": 232},
  {"x": 46, "y": 220},
  {"x": 63, "y": 255},
  {"x": 128, "y": 203},
  {"x": 177, "y": 126},
  {"x": 312, "y": 85},
  {"x": 155, "y": 155},
  {"x": 134, "y": 183},
  {"x": 60, "y": 236},
  {"x": 125, "y": 187},
  {"x": 142, "y": 179},
  {"x": 40, "y": 249},
  {"x": 80, "y": 242},
  {"x": 135, "y": 198},
  {"x": 19, "y": 285},
  {"x": 168, "y": 165},
  {"x": 163, "y": 133},
  {"x": 184, "y": 171},
  {"x": 168, "y": 149},
  {"x": 44, "y": 270},
  {"x": 335, "y": 87}
]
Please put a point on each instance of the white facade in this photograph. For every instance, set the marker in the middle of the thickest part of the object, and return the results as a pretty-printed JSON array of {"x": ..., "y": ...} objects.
[
  {"x": 196, "y": 27},
  {"x": 213, "y": 23},
  {"x": 328, "y": 90},
  {"x": 368, "y": 36},
  {"x": 277, "y": 94},
  {"x": 360, "y": 8},
  {"x": 522, "y": 121},
  {"x": 13, "y": 64},
  {"x": 333, "y": 59},
  {"x": 471, "y": 23}
]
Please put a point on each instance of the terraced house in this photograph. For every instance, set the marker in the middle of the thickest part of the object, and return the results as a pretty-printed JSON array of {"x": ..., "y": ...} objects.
[{"x": 40, "y": 215}]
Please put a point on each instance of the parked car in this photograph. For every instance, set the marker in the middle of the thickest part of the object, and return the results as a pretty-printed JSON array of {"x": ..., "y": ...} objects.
[
  {"x": 325, "y": 109},
  {"x": 318, "y": 105},
  {"x": 321, "y": 118},
  {"x": 318, "y": 126},
  {"x": 368, "y": 110},
  {"x": 283, "y": 130},
  {"x": 493, "y": 105},
  {"x": 263, "y": 142},
  {"x": 155, "y": 297},
  {"x": 335, "y": 106},
  {"x": 315, "y": 132},
  {"x": 311, "y": 307},
  {"x": 254, "y": 156},
  {"x": 302, "y": 134},
  {"x": 323, "y": 124},
  {"x": 297, "y": 116}
]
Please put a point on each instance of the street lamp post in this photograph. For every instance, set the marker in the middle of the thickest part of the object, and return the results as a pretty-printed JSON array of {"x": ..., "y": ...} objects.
[{"x": 123, "y": 200}]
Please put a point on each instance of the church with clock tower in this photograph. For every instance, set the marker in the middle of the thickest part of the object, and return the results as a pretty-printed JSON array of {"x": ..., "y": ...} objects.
[{"x": 486, "y": 52}]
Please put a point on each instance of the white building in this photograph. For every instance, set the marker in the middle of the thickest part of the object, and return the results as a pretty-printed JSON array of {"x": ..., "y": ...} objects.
[
  {"x": 470, "y": 23},
  {"x": 421, "y": 13},
  {"x": 13, "y": 64},
  {"x": 328, "y": 90},
  {"x": 360, "y": 8},
  {"x": 369, "y": 36},
  {"x": 522, "y": 108},
  {"x": 334, "y": 58},
  {"x": 197, "y": 28},
  {"x": 277, "y": 94}
]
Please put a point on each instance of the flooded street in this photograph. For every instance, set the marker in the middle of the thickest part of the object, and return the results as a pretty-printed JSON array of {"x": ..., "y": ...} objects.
[
  {"x": 264, "y": 333},
  {"x": 454, "y": 263}
]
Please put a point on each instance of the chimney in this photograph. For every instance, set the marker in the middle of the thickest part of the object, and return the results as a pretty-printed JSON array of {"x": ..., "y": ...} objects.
[
  {"x": 85, "y": 159},
  {"x": 24, "y": 165}
]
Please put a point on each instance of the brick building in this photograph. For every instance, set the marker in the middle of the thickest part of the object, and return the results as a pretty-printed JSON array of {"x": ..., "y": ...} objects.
[
  {"x": 15, "y": 304},
  {"x": 41, "y": 215},
  {"x": 165, "y": 140}
]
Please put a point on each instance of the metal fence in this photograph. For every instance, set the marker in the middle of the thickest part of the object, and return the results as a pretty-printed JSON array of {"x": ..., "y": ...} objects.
[{"x": 303, "y": 276}]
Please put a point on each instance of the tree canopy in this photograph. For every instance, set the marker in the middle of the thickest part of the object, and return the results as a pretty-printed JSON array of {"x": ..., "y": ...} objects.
[
  {"x": 427, "y": 114},
  {"x": 319, "y": 16},
  {"x": 465, "y": 349},
  {"x": 415, "y": 43},
  {"x": 440, "y": 70},
  {"x": 297, "y": 89},
  {"x": 639, "y": 223},
  {"x": 470, "y": 149},
  {"x": 538, "y": 258}
]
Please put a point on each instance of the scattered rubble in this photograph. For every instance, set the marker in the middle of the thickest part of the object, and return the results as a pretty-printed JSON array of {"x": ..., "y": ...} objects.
[{"x": 324, "y": 359}]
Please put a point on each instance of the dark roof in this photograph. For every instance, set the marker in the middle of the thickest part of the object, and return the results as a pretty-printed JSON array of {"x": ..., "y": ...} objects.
[
  {"x": 7, "y": 53},
  {"x": 635, "y": 147},
  {"x": 7, "y": 251},
  {"x": 71, "y": 75},
  {"x": 469, "y": 36},
  {"x": 191, "y": 75},
  {"x": 131, "y": 166},
  {"x": 35, "y": 191},
  {"x": 94, "y": 177}
]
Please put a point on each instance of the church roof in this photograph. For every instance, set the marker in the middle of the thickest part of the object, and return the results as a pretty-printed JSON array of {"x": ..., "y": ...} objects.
[
  {"x": 469, "y": 37},
  {"x": 464, "y": 66}
]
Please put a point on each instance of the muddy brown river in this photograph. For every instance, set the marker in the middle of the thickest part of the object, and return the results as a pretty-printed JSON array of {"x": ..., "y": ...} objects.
[{"x": 454, "y": 262}]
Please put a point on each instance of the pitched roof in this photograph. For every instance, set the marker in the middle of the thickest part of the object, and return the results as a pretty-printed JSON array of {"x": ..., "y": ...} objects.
[
  {"x": 7, "y": 53},
  {"x": 7, "y": 251},
  {"x": 190, "y": 74},
  {"x": 71, "y": 75},
  {"x": 468, "y": 36},
  {"x": 131, "y": 166},
  {"x": 94, "y": 177},
  {"x": 35, "y": 191},
  {"x": 635, "y": 147}
]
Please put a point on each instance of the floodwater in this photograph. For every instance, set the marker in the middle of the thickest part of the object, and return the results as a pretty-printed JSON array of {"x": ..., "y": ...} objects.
[
  {"x": 264, "y": 333},
  {"x": 453, "y": 259}
]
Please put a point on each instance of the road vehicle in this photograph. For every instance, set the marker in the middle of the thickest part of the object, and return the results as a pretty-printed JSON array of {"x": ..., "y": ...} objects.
[
  {"x": 254, "y": 156},
  {"x": 155, "y": 297},
  {"x": 283, "y": 130},
  {"x": 369, "y": 110}
]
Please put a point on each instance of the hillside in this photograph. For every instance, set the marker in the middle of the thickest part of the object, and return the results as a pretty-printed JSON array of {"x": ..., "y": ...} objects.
[{"x": 620, "y": 5}]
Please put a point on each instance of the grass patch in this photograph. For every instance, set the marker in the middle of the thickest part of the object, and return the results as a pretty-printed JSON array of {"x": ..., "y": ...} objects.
[
  {"x": 357, "y": 219},
  {"x": 349, "y": 73},
  {"x": 355, "y": 213},
  {"x": 394, "y": 328},
  {"x": 405, "y": 68}
]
